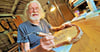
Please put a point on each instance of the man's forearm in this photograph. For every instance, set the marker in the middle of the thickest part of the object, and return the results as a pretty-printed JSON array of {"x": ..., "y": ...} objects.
[
  {"x": 62, "y": 27},
  {"x": 25, "y": 46},
  {"x": 22, "y": 47},
  {"x": 57, "y": 28}
]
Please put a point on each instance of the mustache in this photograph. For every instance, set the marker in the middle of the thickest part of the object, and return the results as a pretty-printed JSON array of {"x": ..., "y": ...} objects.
[{"x": 34, "y": 13}]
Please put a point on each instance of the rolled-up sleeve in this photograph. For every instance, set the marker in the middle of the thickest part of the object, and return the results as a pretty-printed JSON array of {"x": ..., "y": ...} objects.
[{"x": 21, "y": 37}]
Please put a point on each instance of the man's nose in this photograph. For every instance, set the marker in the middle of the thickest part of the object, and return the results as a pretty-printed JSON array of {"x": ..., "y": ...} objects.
[{"x": 34, "y": 10}]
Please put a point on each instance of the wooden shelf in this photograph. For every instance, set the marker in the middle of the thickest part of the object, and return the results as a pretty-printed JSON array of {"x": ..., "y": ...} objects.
[{"x": 78, "y": 5}]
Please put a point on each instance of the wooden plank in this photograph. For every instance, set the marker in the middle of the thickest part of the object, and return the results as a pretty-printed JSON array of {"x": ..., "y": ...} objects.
[
  {"x": 21, "y": 7},
  {"x": 1, "y": 2},
  {"x": 67, "y": 13},
  {"x": 6, "y": 14},
  {"x": 90, "y": 41},
  {"x": 7, "y": 7},
  {"x": 10, "y": 38},
  {"x": 17, "y": 21},
  {"x": 1, "y": 29},
  {"x": 5, "y": 10},
  {"x": 49, "y": 18},
  {"x": 55, "y": 18},
  {"x": 11, "y": 23},
  {"x": 23, "y": 2},
  {"x": 15, "y": 5},
  {"x": 5, "y": 4},
  {"x": 19, "y": 12},
  {"x": 13, "y": 49},
  {"x": 4, "y": 24},
  {"x": 7, "y": 1}
]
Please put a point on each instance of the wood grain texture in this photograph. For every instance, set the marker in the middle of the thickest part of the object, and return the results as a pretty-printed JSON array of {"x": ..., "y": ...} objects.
[
  {"x": 66, "y": 35},
  {"x": 90, "y": 40}
]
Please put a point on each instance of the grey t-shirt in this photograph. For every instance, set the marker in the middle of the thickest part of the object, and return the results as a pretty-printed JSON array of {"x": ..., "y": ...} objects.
[{"x": 27, "y": 27}]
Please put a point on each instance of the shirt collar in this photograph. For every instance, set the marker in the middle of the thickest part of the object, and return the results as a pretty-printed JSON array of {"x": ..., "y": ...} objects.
[{"x": 32, "y": 23}]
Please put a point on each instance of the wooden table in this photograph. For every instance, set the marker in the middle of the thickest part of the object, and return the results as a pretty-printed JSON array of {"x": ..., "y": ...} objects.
[{"x": 90, "y": 40}]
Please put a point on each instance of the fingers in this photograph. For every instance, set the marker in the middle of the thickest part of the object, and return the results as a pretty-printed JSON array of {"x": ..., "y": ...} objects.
[
  {"x": 47, "y": 42},
  {"x": 67, "y": 24},
  {"x": 48, "y": 37},
  {"x": 42, "y": 34},
  {"x": 46, "y": 46}
]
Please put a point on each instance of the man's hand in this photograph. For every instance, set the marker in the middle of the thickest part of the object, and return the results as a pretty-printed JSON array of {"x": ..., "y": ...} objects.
[
  {"x": 47, "y": 42},
  {"x": 67, "y": 24}
]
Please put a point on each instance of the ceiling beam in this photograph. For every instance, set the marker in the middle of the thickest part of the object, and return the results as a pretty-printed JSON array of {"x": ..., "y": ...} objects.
[
  {"x": 7, "y": 1},
  {"x": 19, "y": 15},
  {"x": 5, "y": 7},
  {"x": 14, "y": 6},
  {"x": 2, "y": 4},
  {"x": 6, "y": 14}
]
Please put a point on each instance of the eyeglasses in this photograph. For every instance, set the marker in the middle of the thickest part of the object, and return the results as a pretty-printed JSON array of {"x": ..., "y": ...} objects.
[{"x": 37, "y": 8}]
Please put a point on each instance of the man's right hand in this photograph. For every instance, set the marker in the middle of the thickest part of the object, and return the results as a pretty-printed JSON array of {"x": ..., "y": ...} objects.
[{"x": 47, "y": 42}]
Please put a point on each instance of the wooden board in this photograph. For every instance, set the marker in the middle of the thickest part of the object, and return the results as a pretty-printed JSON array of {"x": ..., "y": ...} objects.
[
  {"x": 90, "y": 41},
  {"x": 11, "y": 23},
  {"x": 10, "y": 38},
  {"x": 65, "y": 35},
  {"x": 4, "y": 24},
  {"x": 17, "y": 21},
  {"x": 1, "y": 29}
]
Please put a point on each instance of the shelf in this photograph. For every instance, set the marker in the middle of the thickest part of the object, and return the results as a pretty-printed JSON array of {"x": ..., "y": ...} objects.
[{"x": 78, "y": 4}]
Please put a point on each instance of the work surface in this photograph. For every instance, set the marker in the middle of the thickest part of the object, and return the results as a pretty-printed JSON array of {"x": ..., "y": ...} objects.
[{"x": 90, "y": 41}]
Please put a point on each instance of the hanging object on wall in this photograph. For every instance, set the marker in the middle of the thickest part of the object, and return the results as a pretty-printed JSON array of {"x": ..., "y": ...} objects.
[
  {"x": 4, "y": 24},
  {"x": 11, "y": 37},
  {"x": 1, "y": 29},
  {"x": 11, "y": 23},
  {"x": 17, "y": 21},
  {"x": 4, "y": 42}
]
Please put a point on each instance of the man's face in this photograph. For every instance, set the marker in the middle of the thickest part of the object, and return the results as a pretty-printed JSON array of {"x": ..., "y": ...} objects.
[{"x": 34, "y": 11}]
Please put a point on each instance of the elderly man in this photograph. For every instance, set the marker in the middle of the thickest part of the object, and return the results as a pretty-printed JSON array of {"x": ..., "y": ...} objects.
[{"x": 36, "y": 24}]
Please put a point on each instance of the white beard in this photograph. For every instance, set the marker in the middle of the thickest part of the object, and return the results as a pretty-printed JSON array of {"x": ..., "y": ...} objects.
[{"x": 34, "y": 17}]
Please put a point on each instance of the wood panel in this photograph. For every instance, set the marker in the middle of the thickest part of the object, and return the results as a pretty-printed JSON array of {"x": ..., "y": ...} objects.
[
  {"x": 10, "y": 38},
  {"x": 11, "y": 1},
  {"x": 4, "y": 24},
  {"x": 54, "y": 18},
  {"x": 12, "y": 25},
  {"x": 8, "y": 7},
  {"x": 49, "y": 18},
  {"x": 21, "y": 7},
  {"x": 5, "y": 10},
  {"x": 7, "y": 2},
  {"x": 68, "y": 15},
  {"x": 90, "y": 40},
  {"x": 1, "y": 4},
  {"x": 1, "y": 29},
  {"x": 66, "y": 11},
  {"x": 61, "y": 14}
]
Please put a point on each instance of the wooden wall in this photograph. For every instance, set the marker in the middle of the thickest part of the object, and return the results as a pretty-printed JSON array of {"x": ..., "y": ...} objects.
[{"x": 55, "y": 18}]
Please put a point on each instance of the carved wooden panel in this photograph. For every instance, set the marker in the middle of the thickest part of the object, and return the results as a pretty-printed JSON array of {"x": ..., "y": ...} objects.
[
  {"x": 4, "y": 24},
  {"x": 12, "y": 25},
  {"x": 1, "y": 29}
]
